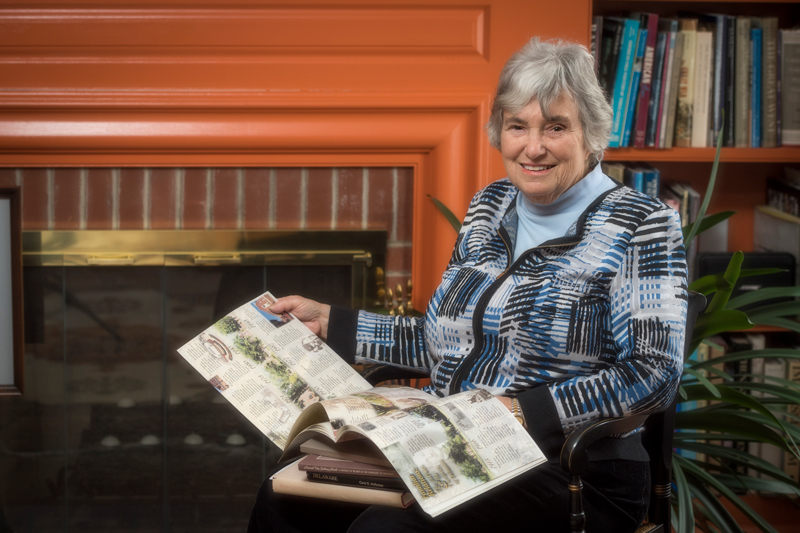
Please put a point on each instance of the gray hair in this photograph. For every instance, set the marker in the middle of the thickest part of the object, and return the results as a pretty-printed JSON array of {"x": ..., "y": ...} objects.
[{"x": 544, "y": 71}]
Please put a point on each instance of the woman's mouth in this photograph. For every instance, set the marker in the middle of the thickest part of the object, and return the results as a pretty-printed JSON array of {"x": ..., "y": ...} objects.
[{"x": 537, "y": 168}]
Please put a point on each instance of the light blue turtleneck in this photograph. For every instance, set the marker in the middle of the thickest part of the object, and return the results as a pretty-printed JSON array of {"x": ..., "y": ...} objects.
[{"x": 540, "y": 223}]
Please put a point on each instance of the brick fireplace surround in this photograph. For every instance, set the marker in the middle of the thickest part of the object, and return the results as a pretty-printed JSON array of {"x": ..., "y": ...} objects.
[{"x": 378, "y": 198}]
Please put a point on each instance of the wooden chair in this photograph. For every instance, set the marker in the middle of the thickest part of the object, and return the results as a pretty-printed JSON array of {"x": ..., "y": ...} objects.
[{"x": 657, "y": 440}]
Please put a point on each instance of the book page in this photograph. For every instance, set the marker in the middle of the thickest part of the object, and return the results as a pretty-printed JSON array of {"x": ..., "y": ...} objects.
[
  {"x": 270, "y": 367},
  {"x": 351, "y": 410},
  {"x": 452, "y": 449}
]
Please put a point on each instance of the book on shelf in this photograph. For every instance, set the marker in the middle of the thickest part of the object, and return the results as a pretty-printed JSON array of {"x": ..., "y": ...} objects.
[
  {"x": 717, "y": 24},
  {"x": 784, "y": 195},
  {"x": 773, "y": 368},
  {"x": 320, "y": 463},
  {"x": 670, "y": 29},
  {"x": 675, "y": 76},
  {"x": 755, "y": 87},
  {"x": 295, "y": 389},
  {"x": 291, "y": 480},
  {"x": 613, "y": 170},
  {"x": 790, "y": 87},
  {"x": 791, "y": 465},
  {"x": 596, "y": 43},
  {"x": 648, "y": 21},
  {"x": 622, "y": 81},
  {"x": 756, "y": 341},
  {"x": 742, "y": 83},
  {"x": 679, "y": 82},
  {"x": 683, "y": 113},
  {"x": 730, "y": 81},
  {"x": 629, "y": 122},
  {"x": 651, "y": 134},
  {"x": 704, "y": 70},
  {"x": 769, "y": 79},
  {"x": 610, "y": 40}
]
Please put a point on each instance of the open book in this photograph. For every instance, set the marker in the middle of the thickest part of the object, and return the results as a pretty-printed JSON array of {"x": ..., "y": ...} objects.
[{"x": 294, "y": 388}]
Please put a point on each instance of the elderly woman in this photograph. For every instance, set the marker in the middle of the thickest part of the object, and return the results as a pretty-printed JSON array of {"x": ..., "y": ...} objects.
[{"x": 565, "y": 297}]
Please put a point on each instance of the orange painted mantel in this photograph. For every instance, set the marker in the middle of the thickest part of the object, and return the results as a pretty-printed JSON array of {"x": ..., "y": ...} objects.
[{"x": 206, "y": 83}]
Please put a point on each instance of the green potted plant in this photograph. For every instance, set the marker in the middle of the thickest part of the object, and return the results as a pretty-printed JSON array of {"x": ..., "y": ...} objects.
[{"x": 732, "y": 413}]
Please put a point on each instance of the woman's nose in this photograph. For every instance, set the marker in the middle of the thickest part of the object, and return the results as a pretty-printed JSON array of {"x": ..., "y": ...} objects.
[{"x": 535, "y": 146}]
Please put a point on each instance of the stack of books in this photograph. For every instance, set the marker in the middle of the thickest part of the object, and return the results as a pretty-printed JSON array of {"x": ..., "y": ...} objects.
[
  {"x": 670, "y": 81},
  {"x": 354, "y": 474}
]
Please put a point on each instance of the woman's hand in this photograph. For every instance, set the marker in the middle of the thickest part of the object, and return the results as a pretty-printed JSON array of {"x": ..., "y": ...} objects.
[
  {"x": 505, "y": 401},
  {"x": 313, "y": 314}
]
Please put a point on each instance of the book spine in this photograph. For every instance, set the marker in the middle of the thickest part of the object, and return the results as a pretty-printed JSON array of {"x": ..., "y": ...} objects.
[
  {"x": 742, "y": 105},
  {"x": 394, "y": 484},
  {"x": 597, "y": 31},
  {"x": 635, "y": 77},
  {"x": 730, "y": 81},
  {"x": 634, "y": 178},
  {"x": 683, "y": 117},
  {"x": 655, "y": 96},
  {"x": 609, "y": 53},
  {"x": 791, "y": 465},
  {"x": 346, "y": 471},
  {"x": 622, "y": 82},
  {"x": 646, "y": 84},
  {"x": 652, "y": 182},
  {"x": 674, "y": 89},
  {"x": 790, "y": 87},
  {"x": 670, "y": 28},
  {"x": 718, "y": 104},
  {"x": 769, "y": 80},
  {"x": 755, "y": 88},
  {"x": 783, "y": 196},
  {"x": 702, "y": 90}
]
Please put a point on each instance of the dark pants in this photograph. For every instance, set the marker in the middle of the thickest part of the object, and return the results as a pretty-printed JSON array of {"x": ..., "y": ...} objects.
[{"x": 615, "y": 496}]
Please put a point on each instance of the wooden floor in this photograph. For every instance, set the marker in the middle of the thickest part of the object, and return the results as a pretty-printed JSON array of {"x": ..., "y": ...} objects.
[{"x": 782, "y": 513}]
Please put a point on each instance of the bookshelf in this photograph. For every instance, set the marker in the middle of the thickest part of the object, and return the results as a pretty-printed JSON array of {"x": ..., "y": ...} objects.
[{"x": 741, "y": 183}]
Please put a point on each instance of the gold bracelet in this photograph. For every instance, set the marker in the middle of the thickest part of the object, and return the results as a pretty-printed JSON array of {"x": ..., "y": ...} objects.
[{"x": 516, "y": 410}]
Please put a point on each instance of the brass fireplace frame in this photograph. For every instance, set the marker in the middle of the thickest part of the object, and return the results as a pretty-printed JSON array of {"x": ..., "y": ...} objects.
[{"x": 364, "y": 250}]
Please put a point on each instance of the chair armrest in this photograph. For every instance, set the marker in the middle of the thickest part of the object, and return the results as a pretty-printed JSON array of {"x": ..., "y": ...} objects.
[
  {"x": 574, "y": 456},
  {"x": 375, "y": 374}
]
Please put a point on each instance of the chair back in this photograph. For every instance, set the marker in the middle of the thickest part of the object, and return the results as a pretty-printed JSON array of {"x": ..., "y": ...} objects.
[{"x": 657, "y": 436}]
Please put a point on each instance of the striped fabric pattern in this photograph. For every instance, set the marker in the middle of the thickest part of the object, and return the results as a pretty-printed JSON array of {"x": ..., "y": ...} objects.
[{"x": 598, "y": 315}]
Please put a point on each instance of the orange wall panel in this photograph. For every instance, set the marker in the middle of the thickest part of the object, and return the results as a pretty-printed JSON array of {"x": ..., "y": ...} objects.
[{"x": 204, "y": 83}]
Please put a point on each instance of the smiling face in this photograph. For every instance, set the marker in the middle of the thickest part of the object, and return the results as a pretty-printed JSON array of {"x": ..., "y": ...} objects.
[{"x": 544, "y": 156}]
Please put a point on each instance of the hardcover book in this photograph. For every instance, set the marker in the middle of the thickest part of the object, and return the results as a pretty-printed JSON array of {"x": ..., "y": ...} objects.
[
  {"x": 623, "y": 79},
  {"x": 790, "y": 87},
  {"x": 684, "y": 111},
  {"x": 321, "y": 463},
  {"x": 741, "y": 130},
  {"x": 755, "y": 88},
  {"x": 769, "y": 82},
  {"x": 701, "y": 110},
  {"x": 650, "y": 22},
  {"x": 292, "y": 480}
]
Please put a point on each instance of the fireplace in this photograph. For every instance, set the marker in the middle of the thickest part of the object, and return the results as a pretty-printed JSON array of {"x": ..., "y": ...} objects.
[{"x": 129, "y": 433}]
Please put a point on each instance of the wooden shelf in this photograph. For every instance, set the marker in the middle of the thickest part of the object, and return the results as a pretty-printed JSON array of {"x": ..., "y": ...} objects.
[{"x": 694, "y": 155}]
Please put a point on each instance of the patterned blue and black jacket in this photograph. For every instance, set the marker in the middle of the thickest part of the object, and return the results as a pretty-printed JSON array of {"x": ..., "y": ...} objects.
[{"x": 586, "y": 326}]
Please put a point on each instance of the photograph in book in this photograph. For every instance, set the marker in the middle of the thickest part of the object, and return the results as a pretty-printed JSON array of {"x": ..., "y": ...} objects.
[{"x": 270, "y": 367}]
